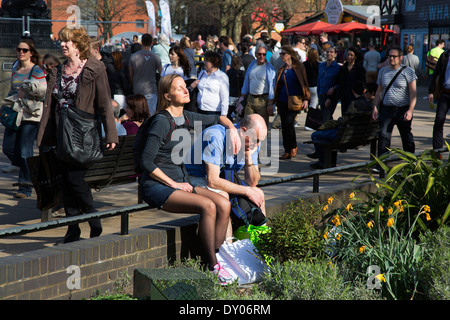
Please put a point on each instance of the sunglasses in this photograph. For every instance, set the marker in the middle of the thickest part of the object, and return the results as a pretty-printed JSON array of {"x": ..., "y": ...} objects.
[
  {"x": 393, "y": 57},
  {"x": 261, "y": 54},
  {"x": 24, "y": 50}
]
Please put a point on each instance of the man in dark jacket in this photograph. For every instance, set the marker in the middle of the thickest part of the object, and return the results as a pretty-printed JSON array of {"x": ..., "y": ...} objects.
[
  {"x": 328, "y": 131},
  {"x": 439, "y": 89}
]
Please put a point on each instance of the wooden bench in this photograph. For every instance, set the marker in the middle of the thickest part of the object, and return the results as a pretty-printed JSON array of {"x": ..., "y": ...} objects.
[
  {"x": 116, "y": 167},
  {"x": 360, "y": 130}
]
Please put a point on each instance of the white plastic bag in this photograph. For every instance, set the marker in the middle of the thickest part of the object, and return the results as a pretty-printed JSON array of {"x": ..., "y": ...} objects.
[{"x": 242, "y": 261}]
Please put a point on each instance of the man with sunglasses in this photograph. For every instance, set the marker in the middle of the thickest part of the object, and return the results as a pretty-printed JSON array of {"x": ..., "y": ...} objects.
[
  {"x": 395, "y": 101},
  {"x": 258, "y": 85}
]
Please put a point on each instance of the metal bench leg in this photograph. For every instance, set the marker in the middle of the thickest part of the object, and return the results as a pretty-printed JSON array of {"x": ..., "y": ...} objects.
[{"x": 46, "y": 215}]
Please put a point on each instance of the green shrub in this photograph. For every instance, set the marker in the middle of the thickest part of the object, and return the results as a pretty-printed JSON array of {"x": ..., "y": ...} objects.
[
  {"x": 303, "y": 280},
  {"x": 437, "y": 267},
  {"x": 293, "y": 235}
]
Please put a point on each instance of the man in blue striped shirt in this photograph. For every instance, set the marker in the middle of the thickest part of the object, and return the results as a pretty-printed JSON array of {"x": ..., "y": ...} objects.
[{"x": 395, "y": 106}]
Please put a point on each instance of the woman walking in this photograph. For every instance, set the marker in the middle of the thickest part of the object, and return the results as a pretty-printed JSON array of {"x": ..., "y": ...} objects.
[
  {"x": 28, "y": 84},
  {"x": 291, "y": 80},
  {"x": 84, "y": 85}
]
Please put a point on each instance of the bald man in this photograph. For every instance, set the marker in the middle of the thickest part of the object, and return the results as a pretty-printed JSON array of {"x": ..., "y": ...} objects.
[{"x": 210, "y": 153}]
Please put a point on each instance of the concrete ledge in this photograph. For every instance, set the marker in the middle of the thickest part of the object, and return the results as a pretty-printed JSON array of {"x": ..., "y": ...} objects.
[{"x": 77, "y": 270}]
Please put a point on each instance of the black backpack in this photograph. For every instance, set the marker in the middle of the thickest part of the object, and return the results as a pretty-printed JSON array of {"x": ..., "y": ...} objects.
[
  {"x": 142, "y": 135},
  {"x": 244, "y": 211}
]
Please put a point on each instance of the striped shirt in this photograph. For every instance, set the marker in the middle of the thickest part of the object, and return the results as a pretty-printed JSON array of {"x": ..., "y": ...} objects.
[
  {"x": 17, "y": 78},
  {"x": 398, "y": 93}
]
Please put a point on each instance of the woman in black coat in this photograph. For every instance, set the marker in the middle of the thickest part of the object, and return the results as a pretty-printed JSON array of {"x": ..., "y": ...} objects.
[{"x": 350, "y": 72}]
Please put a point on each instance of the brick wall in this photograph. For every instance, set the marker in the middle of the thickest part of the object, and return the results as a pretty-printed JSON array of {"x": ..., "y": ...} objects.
[{"x": 43, "y": 274}]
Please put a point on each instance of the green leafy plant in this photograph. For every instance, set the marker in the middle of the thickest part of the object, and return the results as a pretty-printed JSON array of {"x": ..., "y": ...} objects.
[
  {"x": 293, "y": 235},
  {"x": 420, "y": 180},
  {"x": 362, "y": 239}
]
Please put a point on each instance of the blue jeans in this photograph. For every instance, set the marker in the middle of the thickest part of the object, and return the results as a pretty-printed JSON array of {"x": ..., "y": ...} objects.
[
  {"x": 327, "y": 113},
  {"x": 441, "y": 113},
  {"x": 388, "y": 117},
  {"x": 323, "y": 136},
  {"x": 18, "y": 146}
]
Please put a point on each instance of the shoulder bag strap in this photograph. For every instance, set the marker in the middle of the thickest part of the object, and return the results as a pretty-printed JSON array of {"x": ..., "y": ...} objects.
[
  {"x": 285, "y": 82},
  {"x": 392, "y": 81}
]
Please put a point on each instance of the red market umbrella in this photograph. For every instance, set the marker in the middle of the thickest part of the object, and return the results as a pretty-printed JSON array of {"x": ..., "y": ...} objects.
[
  {"x": 313, "y": 28},
  {"x": 352, "y": 27}
]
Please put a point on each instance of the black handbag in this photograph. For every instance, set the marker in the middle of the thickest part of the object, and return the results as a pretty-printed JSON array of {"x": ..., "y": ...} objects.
[
  {"x": 79, "y": 139},
  {"x": 313, "y": 118}
]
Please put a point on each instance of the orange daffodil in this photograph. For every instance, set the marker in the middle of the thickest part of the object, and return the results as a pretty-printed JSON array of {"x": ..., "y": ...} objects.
[
  {"x": 370, "y": 224},
  {"x": 427, "y": 210},
  {"x": 390, "y": 222}
]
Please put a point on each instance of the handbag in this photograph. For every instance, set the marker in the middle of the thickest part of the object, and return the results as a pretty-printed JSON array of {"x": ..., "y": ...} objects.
[
  {"x": 313, "y": 118},
  {"x": 242, "y": 261},
  {"x": 10, "y": 118},
  {"x": 79, "y": 135},
  {"x": 295, "y": 103}
]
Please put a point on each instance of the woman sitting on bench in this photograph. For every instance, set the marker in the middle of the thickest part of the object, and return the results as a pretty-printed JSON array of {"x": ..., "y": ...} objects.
[{"x": 166, "y": 185}]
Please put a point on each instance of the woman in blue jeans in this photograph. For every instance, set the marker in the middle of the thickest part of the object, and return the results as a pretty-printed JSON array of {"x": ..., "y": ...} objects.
[{"x": 28, "y": 83}]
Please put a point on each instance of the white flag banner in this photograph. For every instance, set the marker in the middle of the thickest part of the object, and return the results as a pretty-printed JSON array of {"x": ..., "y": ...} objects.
[
  {"x": 166, "y": 24},
  {"x": 151, "y": 15}
]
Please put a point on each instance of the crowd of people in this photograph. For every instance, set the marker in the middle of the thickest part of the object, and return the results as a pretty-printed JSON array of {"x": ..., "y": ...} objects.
[{"x": 232, "y": 89}]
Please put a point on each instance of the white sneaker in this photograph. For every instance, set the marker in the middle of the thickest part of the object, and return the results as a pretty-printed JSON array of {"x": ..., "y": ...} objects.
[
  {"x": 224, "y": 277},
  {"x": 309, "y": 129},
  {"x": 10, "y": 169}
]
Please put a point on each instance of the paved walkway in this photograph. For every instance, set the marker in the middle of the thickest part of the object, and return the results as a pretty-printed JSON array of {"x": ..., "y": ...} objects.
[{"x": 18, "y": 212}]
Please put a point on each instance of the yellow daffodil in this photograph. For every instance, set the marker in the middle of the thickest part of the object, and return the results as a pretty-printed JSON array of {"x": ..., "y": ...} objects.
[
  {"x": 380, "y": 208},
  {"x": 325, "y": 208},
  {"x": 380, "y": 277},
  {"x": 397, "y": 203},
  {"x": 352, "y": 195},
  {"x": 428, "y": 216},
  {"x": 426, "y": 208},
  {"x": 325, "y": 235},
  {"x": 330, "y": 200},
  {"x": 349, "y": 207},
  {"x": 336, "y": 220},
  {"x": 390, "y": 222},
  {"x": 402, "y": 209},
  {"x": 370, "y": 224},
  {"x": 390, "y": 211},
  {"x": 362, "y": 249},
  {"x": 338, "y": 236}
]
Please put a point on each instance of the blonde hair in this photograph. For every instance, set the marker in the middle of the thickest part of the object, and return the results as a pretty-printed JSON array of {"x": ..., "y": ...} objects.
[{"x": 79, "y": 37}]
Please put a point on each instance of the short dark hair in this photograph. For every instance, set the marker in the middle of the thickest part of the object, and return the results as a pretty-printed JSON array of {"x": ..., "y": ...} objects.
[
  {"x": 399, "y": 50},
  {"x": 214, "y": 58},
  {"x": 439, "y": 42},
  {"x": 224, "y": 40},
  {"x": 358, "y": 87},
  {"x": 147, "y": 39}
]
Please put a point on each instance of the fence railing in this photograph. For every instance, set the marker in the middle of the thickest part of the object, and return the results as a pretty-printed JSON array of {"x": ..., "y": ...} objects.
[{"x": 124, "y": 212}]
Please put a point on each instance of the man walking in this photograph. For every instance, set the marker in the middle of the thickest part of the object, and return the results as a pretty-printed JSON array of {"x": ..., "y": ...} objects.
[
  {"x": 395, "y": 100},
  {"x": 371, "y": 59},
  {"x": 259, "y": 85},
  {"x": 143, "y": 66},
  {"x": 439, "y": 89},
  {"x": 326, "y": 82}
]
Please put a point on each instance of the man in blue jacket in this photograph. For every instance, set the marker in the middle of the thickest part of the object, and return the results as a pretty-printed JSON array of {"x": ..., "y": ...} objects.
[
  {"x": 326, "y": 84},
  {"x": 259, "y": 85}
]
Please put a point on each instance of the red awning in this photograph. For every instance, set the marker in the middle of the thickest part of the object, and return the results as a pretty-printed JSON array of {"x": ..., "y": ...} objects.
[
  {"x": 313, "y": 28},
  {"x": 353, "y": 27}
]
